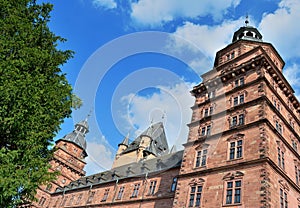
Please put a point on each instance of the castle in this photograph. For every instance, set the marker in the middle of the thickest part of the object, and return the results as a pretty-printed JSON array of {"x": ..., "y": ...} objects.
[{"x": 241, "y": 151}]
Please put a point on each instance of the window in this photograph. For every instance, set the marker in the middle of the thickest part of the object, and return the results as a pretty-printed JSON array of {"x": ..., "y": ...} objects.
[
  {"x": 228, "y": 57},
  {"x": 297, "y": 175},
  {"x": 135, "y": 190},
  {"x": 241, "y": 119},
  {"x": 276, "y": 105},
  {"x": 208, "y": 111},
  {"x": 292, "y": 124},
  {"x": 71, "y": 200},
  {"x": 208, "y": 130},
  {"x": 79, "y": 199},
  {"x": 211, "y": 110},
  {"x": 234, "y": 121},
  {"x": 239, "y": 82},
  {"x": 294, "y": 144},
  {"x": 201, "y": 158},
  {"x": 120, "y": 193},
  {"x": 174, "y": 184},
  {"x": 42, "y": 201},
  {"x": 152, "y": 188},
  {"x": 232, "y": 55},
  {"x": 238, "y": 100},
  {"x": 283, "y": 199},
  {"x": 63, "y": 202},
  {"x": 56, "y": 202},
  {"x": 211, "y": 94},
  {"x": 105, "y": 195},
  {"x": 278, "y": 127},
  {"x": 233, "y": 192},
  {"x": 205, "y": 130},
  {"x": 195, "y": 196},
  {"x": 235, "y": 149},
  {"x": 235, "y": 101},
  {"x": 280, "y": 156},
  {"x": 237, "y": 120},
  {"x": 91, "y": 197}
]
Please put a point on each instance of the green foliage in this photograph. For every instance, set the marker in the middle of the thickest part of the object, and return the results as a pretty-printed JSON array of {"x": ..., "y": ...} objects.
[
  {"x": 76, "y": 102},
  {"x": 35, "y": 97}
]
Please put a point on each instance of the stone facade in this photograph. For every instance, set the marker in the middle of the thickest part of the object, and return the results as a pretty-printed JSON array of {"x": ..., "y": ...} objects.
[
  {"x": 241, "y": 151},
  {"x": 242, "y": 144}
]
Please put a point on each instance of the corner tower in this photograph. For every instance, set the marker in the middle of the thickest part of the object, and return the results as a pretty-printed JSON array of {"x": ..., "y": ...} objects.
[
  {"x": 243, "y": 137},
  {"x": 68, "y": 159}
]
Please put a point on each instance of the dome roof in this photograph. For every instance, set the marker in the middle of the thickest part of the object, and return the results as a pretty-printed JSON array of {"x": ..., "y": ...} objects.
[
  {"x": 77, "y": 136},
  {"x": 247, "y": 33}
]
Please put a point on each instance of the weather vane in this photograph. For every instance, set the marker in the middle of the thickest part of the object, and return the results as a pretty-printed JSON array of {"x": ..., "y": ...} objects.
[
  {"x": 89, "y": 114},
  {"x": 247, "y": 21}
]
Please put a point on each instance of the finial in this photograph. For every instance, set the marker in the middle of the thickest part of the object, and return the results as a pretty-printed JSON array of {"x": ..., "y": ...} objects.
[
  {"x": 88, "y": 115},
  {"x": 247, "y": 21},
  {"x": 151, "y": 122}
]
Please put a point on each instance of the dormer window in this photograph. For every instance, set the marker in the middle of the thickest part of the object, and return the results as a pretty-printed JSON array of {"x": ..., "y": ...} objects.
[
  {"x": 228, "y": 57},
  {"x": 232, "y": 55}
]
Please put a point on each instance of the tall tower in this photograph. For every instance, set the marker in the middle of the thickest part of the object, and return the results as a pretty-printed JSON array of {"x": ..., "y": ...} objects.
[
  {"x": 69, "y": 160},
  {"x": 241, "y": 149}
]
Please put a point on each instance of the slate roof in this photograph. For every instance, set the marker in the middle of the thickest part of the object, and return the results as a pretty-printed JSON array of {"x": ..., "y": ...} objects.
[
  {"x": 136, "y": 169},
  {"x": 247, "y": 33},
  {"x": 158, "y": 145},
  {"x": 77, "y": 136}
]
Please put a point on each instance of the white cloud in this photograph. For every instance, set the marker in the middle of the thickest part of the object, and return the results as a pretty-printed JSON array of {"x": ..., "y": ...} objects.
[
  {"x": 172, "y": 103},
  {"x": 280, "y": 28},
  {"x": 107, "y": 4},
  {"x": 292, "y": 74},
  {"x": 193, "y": 38},
  {"x": 157, "y": 12},
  {"x": 100, "y": 156}
]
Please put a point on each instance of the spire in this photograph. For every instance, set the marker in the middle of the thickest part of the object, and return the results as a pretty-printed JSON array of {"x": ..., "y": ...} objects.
[
  {"x": 125, "y": 142},
  {"x": 173, "y": 149}
]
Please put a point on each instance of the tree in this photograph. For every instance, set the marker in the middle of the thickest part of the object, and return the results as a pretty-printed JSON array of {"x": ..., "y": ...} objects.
[{"x": 35, "y": 97}]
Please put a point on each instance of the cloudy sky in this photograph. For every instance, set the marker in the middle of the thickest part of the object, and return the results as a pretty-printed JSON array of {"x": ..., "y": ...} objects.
[{"x": 136, "y": 60}]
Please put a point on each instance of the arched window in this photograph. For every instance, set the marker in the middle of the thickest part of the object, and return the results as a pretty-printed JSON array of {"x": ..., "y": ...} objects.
[{"x": 174, "y": 184}]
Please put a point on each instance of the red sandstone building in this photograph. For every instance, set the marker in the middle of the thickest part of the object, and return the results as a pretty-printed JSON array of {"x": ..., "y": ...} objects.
[{"x": 241, "y": 150}]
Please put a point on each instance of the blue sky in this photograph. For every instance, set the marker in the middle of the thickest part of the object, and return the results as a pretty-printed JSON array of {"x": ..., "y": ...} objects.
[{"x": 136, "y": 60}]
